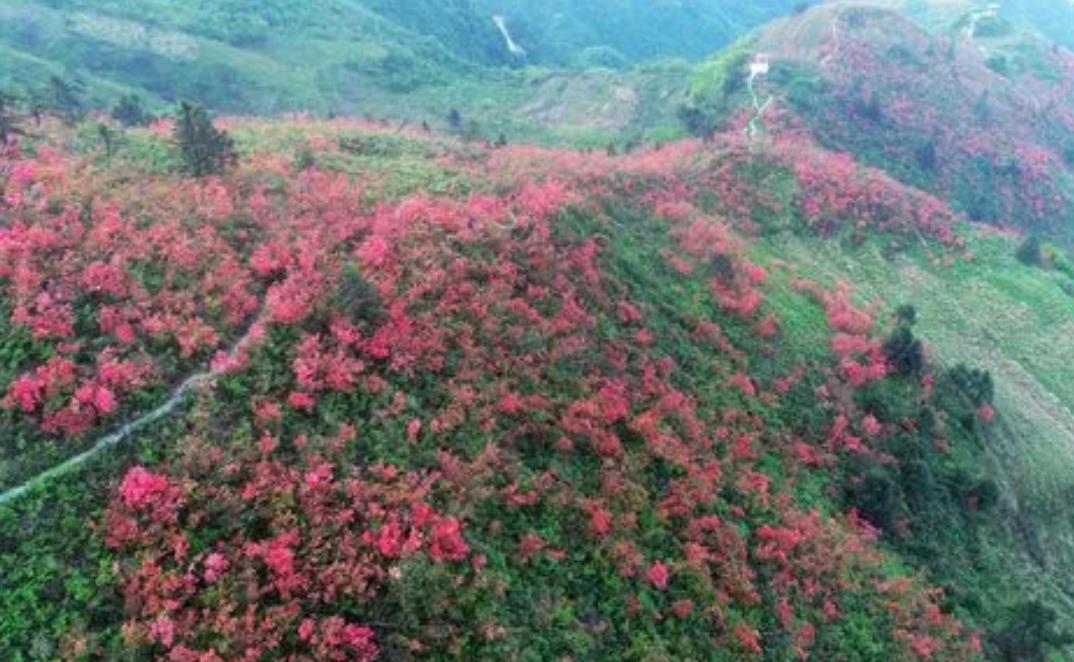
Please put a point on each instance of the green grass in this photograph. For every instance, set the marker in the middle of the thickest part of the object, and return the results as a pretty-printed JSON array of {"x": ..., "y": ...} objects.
[
  {"x": 57, "y": 586},
  {"x": 363, "y": 57},
  {"x": 997, "y": 314}
]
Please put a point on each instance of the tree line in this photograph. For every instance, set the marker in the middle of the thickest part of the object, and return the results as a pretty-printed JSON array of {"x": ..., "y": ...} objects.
[{"x": 204, "y": 149}]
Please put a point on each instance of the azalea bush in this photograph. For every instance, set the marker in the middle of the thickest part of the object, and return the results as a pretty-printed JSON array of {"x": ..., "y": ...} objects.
[{"x": 552, "y": 416}]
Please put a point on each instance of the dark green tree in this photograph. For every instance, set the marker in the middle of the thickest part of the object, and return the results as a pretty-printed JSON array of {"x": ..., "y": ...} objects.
[
  {"x": 129, "y": 111},
  {"x": 9, "y": 119},
  {"x": 904, "y": 352},
  {"x": 702, "y": 119},
  {"x": 108, "y": 138},
  {"x": 1030, "y": 252},
  {"x": 976, "y": 386},
  {"x": 1028, "y": 634},
  {"x": 927, "y": 156},
  {"x": 64, "y": 98},
  {"x": 205, "y": 149},
  {"x": 870, "y": 108},
  {"x": 454, "y": 119},
  {"x": 876, "y": 497},
  {"x": 357, "y": 298},
  {"x": 906, "y": 315},
  {"x": 304, "y": 159}
]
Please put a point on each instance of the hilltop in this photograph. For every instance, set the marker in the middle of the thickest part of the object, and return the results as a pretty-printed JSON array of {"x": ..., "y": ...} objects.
[{"x": 976, "y": 111}]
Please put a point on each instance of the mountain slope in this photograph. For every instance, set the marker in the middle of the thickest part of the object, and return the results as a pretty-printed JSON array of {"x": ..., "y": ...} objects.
[
  {"x": 502, "y": 400},
  {"x": 796, "y": 391},
  {"x": 561, "y": 32},
  {"x": 340, "y": 55},
  {"x": 979, "y": 115},
  {"x": 977, "y": 112}
]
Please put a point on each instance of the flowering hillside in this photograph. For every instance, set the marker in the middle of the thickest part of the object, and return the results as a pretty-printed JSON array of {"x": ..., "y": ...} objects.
[
  {"x": 447, "y": 401},
  {"x": 976, "y": 112}
]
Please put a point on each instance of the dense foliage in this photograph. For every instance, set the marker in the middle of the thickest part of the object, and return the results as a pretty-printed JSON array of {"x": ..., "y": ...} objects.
[
  {"x": 205, "y": 149},
  {"x": 979, "y": 117},
  {"x": 353, "y": 390},
  {"x": 554, "y": 413},
  {"x": 344, "y": 55}
]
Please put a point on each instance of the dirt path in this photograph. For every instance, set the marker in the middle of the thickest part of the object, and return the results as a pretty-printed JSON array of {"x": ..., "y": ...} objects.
[
  {"x": 758, "y": 68},
  {"x": 178, "y": 394},
  {"x": 516, "y": 50},
  {"x": 976, "y": 16},
  {"x": 836, "y": 40}
]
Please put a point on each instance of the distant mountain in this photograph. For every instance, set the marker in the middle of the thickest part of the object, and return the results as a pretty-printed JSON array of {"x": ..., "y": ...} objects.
[
  {"x": 346, "y": 55},
  {"x": 568, "y": 32}
]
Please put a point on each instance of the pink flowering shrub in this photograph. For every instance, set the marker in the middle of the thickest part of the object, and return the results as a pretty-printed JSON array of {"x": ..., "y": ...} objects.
[{"x": 285, "y": 579}]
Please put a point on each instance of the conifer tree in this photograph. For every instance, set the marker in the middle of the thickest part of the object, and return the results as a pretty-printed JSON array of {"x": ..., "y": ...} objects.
[
  {"x": 130, "y": 112},
  {"x": 108, "y": 139},
  {"x": 64, "y": 98},
  {"x": 205, "y": 149},
  {"x": 9, "y": 120},
  {"x": 454, "y": 119}
]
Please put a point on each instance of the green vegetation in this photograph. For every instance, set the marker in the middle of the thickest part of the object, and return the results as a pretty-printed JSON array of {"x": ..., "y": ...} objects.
[
  {"x": 400, "y": 319},
  {"x": 205, "y": 149},
  {"x": 713, "y": 89},
  {"x": 376, "y": 58},
  {"x": 130, "y": 111},
  {"x": 1011, "y": 326},
  {"x": 455, "y": 396},
  {"x": 10, "y": 120}
]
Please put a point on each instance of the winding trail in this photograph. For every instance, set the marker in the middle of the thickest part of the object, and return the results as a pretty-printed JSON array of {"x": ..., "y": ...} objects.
[
  {"x": 759, "y": 67},
  {"x": 978, "y": 15},
  {"x": 836, "y": 40},
  {"x": 178, "y": 394},
  {"x": 501, "y": 23}
]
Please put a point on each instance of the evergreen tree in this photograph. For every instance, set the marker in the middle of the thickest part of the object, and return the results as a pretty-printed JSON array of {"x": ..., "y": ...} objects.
[
  {"x": 108, "y": 137},
  {"x": 9, "y": 120},
  {"x": 904, "y": 352},
  {"x": 356, "y": 297},
  {"x": 454, "y": 119},
  {"x": 906, "y": 315},
  {"x": 64, "y": 98},
  {"x": 1029, "y": 632},
  {"x": 130, "y": 112},
  {"x": 205, "y": 149},
  {"x": 1030, "y": 252}
]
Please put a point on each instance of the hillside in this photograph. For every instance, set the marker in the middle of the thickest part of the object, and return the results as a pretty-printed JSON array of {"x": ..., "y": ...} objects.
[
  {"x": 443, "y": 400},
  {"x": 977, "y": 112},
  {"x": 403, "y": 60},
  {"x": 391, "y": 389},
  {"x": 974, "y": 107}
]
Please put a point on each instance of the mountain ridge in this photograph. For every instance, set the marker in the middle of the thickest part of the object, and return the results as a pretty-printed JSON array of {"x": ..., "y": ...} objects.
[{"x": 796, "y": 388}]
